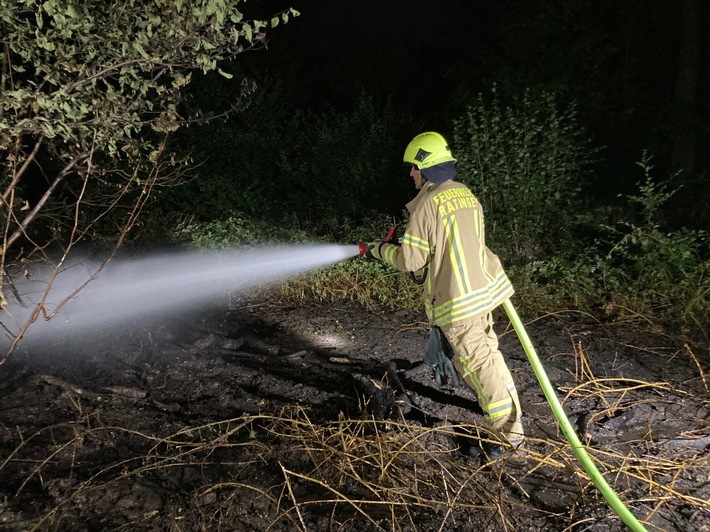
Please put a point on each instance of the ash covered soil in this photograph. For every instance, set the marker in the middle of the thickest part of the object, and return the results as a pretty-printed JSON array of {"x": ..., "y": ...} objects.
[{"x": 265, "y": 416}]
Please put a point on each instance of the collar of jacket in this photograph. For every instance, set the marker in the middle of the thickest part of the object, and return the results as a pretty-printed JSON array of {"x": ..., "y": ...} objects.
[{"x": 426, "y": 187}]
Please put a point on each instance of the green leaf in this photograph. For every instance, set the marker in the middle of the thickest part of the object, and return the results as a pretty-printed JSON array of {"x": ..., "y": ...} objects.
[
  {"x": 17, "y": 94},
  {"x": 225, "y": 74},
  {"x": 43, "y": 42},
  {"x": 141, "y": 50},
  {"x": 246, "y": 31},
  {"x": 50, "y": 7},
  {"x": 47, "y": 129}
]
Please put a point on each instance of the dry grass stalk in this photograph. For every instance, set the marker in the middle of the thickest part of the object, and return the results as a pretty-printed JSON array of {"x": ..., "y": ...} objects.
[
  {"x": 387, "y": 473},
  {"x": 697, "y": 363}
]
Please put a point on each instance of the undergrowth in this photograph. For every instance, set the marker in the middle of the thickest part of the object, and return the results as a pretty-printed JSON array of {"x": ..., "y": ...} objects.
[
  {"x": 371, "y": 284},
  {"x": 634, "y": 271}
]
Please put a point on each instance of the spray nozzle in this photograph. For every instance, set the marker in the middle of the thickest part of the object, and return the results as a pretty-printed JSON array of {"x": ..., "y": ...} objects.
[
  {"x": 362, "y": 247},
  {"x": 392, "y": 237}
]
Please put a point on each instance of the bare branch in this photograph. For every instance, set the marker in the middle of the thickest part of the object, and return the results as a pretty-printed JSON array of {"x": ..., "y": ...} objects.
[{"x": 38, "y": 207}]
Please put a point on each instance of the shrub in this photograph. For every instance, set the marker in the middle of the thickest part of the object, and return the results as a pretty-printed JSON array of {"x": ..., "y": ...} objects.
[
  {"x": 527, "y": 162},
  {"x": 274, "y": 161},
  {"x": 661, "y": 272},
  {"x": 635, "y": 270},
  {"x": 237, "y": 230}
]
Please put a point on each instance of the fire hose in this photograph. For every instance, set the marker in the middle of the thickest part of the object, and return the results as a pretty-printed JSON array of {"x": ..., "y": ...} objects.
[{"x": 616, "y": 504}]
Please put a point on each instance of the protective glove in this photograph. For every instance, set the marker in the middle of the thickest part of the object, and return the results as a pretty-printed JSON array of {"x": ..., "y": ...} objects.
[
  {"x": 436, "y": 354},
  {"x": 373, "y": 251}
]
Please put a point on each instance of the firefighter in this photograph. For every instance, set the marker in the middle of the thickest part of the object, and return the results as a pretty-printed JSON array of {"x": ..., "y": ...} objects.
[{"x": 464, "y": 283}]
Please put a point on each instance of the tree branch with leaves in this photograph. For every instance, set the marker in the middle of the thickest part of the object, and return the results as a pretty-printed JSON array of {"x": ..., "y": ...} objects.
[{"x": 89, "y": 97}]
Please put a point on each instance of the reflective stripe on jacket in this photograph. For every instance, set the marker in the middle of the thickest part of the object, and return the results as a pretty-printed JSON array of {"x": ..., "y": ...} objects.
[{"x": 446, "y": 233}]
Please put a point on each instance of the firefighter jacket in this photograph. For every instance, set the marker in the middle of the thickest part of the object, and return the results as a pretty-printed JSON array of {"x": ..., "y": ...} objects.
[{"x": 446, "y": 234}]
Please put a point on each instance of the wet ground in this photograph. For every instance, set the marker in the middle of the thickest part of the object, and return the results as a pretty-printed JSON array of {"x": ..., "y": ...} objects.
[{"x": 265, "y": 416}]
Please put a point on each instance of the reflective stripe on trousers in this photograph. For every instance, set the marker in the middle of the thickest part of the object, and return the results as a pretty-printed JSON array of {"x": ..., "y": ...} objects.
[{"x": 483, "y": 369}]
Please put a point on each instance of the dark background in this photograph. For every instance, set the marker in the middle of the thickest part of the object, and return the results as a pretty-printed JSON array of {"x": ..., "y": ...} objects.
[
  {"x": 422, "y": 62},
  {"x": 619, "y": 60}
]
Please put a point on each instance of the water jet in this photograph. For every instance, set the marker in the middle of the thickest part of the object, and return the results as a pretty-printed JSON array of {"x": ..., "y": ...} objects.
[{"x": 141, "y": 288}]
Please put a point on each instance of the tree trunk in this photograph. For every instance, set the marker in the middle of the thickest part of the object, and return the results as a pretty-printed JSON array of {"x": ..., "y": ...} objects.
[{"x": 684, "y": 143}]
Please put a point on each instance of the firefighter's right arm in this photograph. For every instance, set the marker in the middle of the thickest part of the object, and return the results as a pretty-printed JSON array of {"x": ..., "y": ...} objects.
[{"x": 415, "y": 252}]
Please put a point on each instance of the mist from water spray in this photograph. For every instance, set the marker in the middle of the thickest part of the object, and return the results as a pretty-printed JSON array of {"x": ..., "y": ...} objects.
[{"x": 153, "y": 287}]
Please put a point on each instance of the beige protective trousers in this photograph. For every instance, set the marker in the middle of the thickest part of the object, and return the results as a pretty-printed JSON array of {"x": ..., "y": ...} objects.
[{"x": 483, "y": 369}]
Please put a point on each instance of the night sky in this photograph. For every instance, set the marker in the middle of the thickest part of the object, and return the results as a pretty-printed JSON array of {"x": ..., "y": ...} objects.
[{"x": 416, "y": 51}]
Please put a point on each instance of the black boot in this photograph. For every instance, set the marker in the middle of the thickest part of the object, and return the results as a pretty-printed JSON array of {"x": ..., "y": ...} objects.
[{"x": 491, "y": 452}]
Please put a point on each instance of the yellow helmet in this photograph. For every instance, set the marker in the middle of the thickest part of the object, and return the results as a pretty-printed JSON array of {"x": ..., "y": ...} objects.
[{"x": 427, "y": 150}]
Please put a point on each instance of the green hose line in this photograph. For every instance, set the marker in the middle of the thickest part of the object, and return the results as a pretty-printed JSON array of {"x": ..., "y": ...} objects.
[{"x": 619, "y": 508}]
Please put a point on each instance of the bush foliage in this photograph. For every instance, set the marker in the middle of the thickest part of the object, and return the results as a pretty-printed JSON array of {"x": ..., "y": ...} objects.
[
  {"x": 527, "y": 160},
  {"x": 273, "y": 161},
  {"x": 634, "y": 270}
]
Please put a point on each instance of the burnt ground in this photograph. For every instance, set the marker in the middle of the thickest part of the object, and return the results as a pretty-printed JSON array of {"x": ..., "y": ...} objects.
[{"x": 265, "y": 416}]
